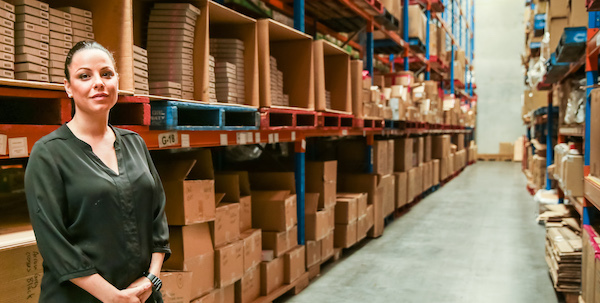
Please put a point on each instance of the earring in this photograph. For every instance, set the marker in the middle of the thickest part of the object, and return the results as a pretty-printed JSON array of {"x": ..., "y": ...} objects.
[{"x": 69, "y": 95}]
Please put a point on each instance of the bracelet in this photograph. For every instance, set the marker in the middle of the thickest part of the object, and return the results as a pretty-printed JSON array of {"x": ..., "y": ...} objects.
[{"x": 156, "y": 281}]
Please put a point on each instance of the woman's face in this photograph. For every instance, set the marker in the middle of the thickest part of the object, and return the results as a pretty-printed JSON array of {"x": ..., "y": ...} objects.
[{"x": 94, "y": 83}]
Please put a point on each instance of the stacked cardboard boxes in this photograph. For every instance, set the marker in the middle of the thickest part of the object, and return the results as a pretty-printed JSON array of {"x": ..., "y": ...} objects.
[
  {"x": 140, "y": 80},
  {"x": 440, "y": 149},
  {"x": 7, "y": 40},
  {"x": 190, "y": 207},
  {"x": 212, "y": 80},
  {"x": 229, "y": 69},
  {"x": 417, "y": 28},
  {"x": 60, "y": 40},
  {"x": 351, "y": 222},
  {"x": 236, "y": 188},
  {"x": 21, "y": 265},
  {"x": 171, "y": 30},
  {"x": 274, "y": 212},
  {"x": 31, "y": 46},
  {"x": 403, "y": 163},
  {"x": 82, "y": 25},
  {"x": 278, "y": 97},
  {"x": 321, "y": 179},
  {"x": 590, "y": 264}
]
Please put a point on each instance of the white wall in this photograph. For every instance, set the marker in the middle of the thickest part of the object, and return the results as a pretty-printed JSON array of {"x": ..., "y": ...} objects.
[{"x": 499, "y": 42}]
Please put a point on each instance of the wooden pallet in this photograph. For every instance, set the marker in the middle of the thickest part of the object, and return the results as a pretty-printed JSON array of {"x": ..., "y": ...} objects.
[
  {"x": 294, "y": 288},
  {"x": 494, "y": 157}
]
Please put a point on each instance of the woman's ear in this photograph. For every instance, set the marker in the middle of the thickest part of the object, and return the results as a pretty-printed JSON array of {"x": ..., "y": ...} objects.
[{"x": 68, "y": 88}]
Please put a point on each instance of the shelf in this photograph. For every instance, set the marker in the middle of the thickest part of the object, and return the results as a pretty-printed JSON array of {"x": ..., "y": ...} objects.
[
  {"x": 447, "y": 28},
  {"x": 573, "y": 131},
  {"x": 591, "y": 191},
  {"x": 436, "y": 5}
]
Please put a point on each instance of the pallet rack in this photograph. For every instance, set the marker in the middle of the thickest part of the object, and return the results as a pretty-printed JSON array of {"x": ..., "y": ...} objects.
[{"x": 458, "y": 26}]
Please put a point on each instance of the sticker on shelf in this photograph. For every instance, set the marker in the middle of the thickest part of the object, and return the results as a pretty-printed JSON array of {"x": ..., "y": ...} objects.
[
  {"x": 257, "y": 137},
  {"x": 3, "y": 143},
  {"x": 249, "y": 137},
  {"x": 364, "y": 133},
  {"x": 17, "y": 147},
  {"x": 344, "y": 132},
  {"x": 276, "y": 137},
  {"x": 224, "y": 140},
  {"x": 168, "y": 139},
  {"x": 240, "y": 138},
  {"x": 185, "y": 140},
  {"x": 271, "y": 138},
  {"x": 303, "y": 144},
  {"x": 293, "y": 136}
]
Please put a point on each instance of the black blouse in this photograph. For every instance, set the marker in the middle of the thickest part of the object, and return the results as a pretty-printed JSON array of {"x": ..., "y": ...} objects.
[{"x": 88, "y": 219}]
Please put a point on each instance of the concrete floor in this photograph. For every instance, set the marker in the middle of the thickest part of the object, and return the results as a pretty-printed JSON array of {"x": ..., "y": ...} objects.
[{"x": 474, "y": 240}]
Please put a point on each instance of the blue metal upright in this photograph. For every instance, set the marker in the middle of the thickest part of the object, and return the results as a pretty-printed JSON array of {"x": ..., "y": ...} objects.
[
  {"x": 370, "y": 51},
  {"x": 452, "y": 17},
  {"x": 472, "y": 46},
  {"x": 427, "y": 39},
  {"x": 405, "y": 32},
  {"x": 300, "y": 174},
  {"x": 299, "y": 15}
]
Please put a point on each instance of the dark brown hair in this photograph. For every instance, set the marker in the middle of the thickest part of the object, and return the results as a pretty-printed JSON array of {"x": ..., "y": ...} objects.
[{"x": 83, "y": 45}]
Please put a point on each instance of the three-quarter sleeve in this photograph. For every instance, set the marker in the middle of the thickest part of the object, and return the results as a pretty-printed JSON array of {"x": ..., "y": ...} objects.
[
  {"x": 160, "y": 227},
  {"x": 47, "y": 205}
]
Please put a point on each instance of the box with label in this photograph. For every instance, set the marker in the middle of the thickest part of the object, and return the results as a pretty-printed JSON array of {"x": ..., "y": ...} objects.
[
  {"x": 252, "y": 248},
  {"x": 176, "y": 286},
  {"x": 226, "y": 227}
]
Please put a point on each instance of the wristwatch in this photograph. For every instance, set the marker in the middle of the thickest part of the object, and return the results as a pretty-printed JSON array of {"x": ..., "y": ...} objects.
[{"x": 156, "y": 281}]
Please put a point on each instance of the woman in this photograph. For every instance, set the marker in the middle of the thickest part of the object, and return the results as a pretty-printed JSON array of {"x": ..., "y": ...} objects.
[{"x": 95, "y": 199}]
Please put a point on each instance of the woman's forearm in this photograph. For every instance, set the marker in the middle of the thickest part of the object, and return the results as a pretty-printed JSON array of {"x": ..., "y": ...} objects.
[
  {"x": 156, "y": 263},
  {"x": 97, "y": 286}
]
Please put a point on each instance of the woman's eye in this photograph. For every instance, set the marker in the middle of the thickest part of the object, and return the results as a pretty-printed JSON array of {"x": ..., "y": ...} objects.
[
  {"x": 107, "y": 74},
  {"x": 83, "y": 76}
]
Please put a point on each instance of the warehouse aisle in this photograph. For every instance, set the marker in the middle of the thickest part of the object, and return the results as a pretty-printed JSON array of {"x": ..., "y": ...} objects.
[{"x": 474, "y": 240}]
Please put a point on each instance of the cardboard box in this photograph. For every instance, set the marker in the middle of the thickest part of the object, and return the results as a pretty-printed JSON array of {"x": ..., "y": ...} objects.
[
  {"x": 440, "y": 146},
  {"x": 373, "y": 185},
  {"x": 22, "y": 18},
  {"x": 226, "y": 227},
  {"x": 327, "y": 246},
  {"x": 595, "y": 135},
  {"x": 32, "y": 76},
  {"x": 427, "y": 150},
  {"x": 208, "y": 298},
  {"x": 294, "y": 54},
  {"x": 356, "y": 68},
  {"x": 381, "y": 157},
  {"x": 271, "y": 275},
  {"x": 192, "y": 251},
  {"x": 280, "y": 242},
  {"x": 317, "y": 225},
  {"x": 20, "y": 257},
  {"x": 388, "y": 183},
  {"x": 176, "y": 287},
  {"x": 345, "y": 235},
  {"x": 403, "y": 151},
  {"x": 252, "y": 239},
  {"x": 435, "y": 172},
  {"x": 361, "y": 201},
  {"x": 332, "y": 74},
  {"x": 413, "y": 184},
  {"x": 321, "y": 177},
  {"x": 294, "y": 264},
  {"x": 572, "y": 181},
  {"x": 189, "y": 189},
  {"x": 32, "y": 10},
  {"x": 274, "y": 210},
  {"x": 229, "y": 263},
  {"x": 346, "y": 210},
  {"x": 417, "y": 23},
  {"x": 578, "y": 15},
  {"x": 362, "y": 227},
  {"x": 248, "y": 288},
  {"x": 58, "y": 13},
  {"x": 401, "y": 192},
  {"x": 61, "y": 36},
  {"x": 74, "y": 11},
  {"x": 451, "y": 168},
  {"x": 313, "y": 252}
]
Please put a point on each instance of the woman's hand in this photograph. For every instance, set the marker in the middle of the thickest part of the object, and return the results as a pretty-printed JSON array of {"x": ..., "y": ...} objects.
[
  {"x": 132, "y": 295},
  {"x": 142, "y": 281}
]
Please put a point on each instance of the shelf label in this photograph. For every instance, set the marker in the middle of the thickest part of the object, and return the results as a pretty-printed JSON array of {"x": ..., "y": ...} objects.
[
  {"x": 167, "y": 139},
  {"x": 240, "y": 138},
  {"x": 249, "y": 137},
  {"x": 303, "y": 144},
  {"x": 293, "y": 136},
  {"x": 257, "y": 137},
  {"x": 364, "y": 133},
  {"x": 17, "y": 147},
  {"x": 3, "y": 144},
  {"x": 271, "y": 138},
  {"x": 185, "y": 140},
  {"x": 276, "y": 137},
  {"x": 344, "y": 132},
  {"x": 224, "y": 140}
]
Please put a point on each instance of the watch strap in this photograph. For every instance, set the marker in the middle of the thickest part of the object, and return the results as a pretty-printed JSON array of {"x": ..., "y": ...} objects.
[{"x": 156, "y": 281}]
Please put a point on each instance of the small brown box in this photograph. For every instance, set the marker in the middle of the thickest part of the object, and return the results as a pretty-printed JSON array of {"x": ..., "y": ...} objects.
[
  {"x": 61, "y": 44},
  {"x": 171, "y": 25},
  {"x": 226, "y": 227},
  {"x": 76, "y": 11},
  {"x": 140, "y": 51},
  {"x": 165, "y": 84},
  {"x": 294, "y": 264},
  {"x": 32, "y": 76},
  {"x": 140, "y": 79},
  {"x": 60, "y": 14},
  {"x": 30, "y": 67},
  {"x": 58, "y": 57},
  {"x": 252, "y": 248},
  {"x": 183, "y": 19},
  {"x": 177, "y": 6},
  {"x": 155, "y": 44},
  {"x": 7, "y": 24},
  {"x": 59, "y": 21},
  {"x": 7, "y": 15},
  {"x": 271, "y": 277},
  {"x": 33, "y": 20},
  {"x": 327, "y": 246},
  {"x": 34, "y": 36},
  {"x": 345, "y": 235},
  {"x": 61, "y": 36},
  {"x": 166, "y": 91},
  {"x": 229, "y": 263},
  {"x": 57, "y": 79},
  {"x": 169, "y": 37},
  {"x": 168, "y": 77},
  {"x": 32, "y": 43},
  {"x": 140, "y": 65},
  {"x": 32, "y": 27},
  {"x": 7, "y": 40},
  {"x": 140, "y": 72},
  {"x": 9, "y": 65},
  {"x": 59, "y": 50},
  {"x": 167, "y": 55},
  {"x": 82, "y": 27},
  {"x": 7, "y": 56},
  {"x": 7, "y": 74},
  {"x": 33, "y": 3},
  {"x": 140, "y": 58},
  {"x": 7, "y": 32},
  {"x": 56, "y": 72},
  {"x": 174, "y": 13},
  {"x": 32, "y": 11},
  {"x": 141, "y": 86},
  {"x": 80, "y": 19},
  {"x": 7, "y": 6},
  {"x": 25, "y": 58},
  {"x": 62, "y": 29},
  {"x": 248, "y": 288},
  {"x": 172, "y": 61}
]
